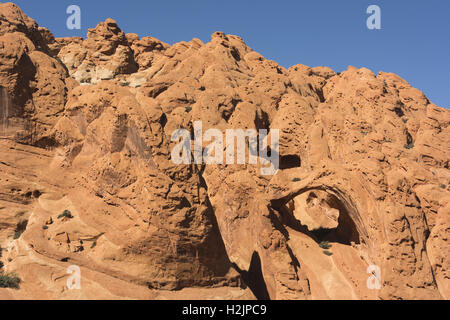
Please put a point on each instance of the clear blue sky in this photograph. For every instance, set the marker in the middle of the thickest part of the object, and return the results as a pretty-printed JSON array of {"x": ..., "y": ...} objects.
[{"x": 414, "y": 41}]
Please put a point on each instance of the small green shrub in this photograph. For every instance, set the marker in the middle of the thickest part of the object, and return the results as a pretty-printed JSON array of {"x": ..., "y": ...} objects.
[
  {"x": 66, "y": 214},
  {"x": 443, "y": 186},
  {"x": 93, "y": 244},
  {"x": 409, "y": 146},
  {"x": 45, "y": 227},
  {"x": 405, "y": 120},
  {"x": 9, "y": 280},
  {"x": 188, "y": 109},
  {"x": 325, "y": 245},
  {"x": 328, "y": 253},
  {"x": 364, "y": 133},
  {"x": 296, "y": 179}
]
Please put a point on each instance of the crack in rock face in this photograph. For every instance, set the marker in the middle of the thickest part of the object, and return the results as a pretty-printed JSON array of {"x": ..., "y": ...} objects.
[{"x": 362, "y": 181}]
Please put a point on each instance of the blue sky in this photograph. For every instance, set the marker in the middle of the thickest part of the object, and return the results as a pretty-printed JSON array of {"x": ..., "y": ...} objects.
[{"x": 414, "y": 41}]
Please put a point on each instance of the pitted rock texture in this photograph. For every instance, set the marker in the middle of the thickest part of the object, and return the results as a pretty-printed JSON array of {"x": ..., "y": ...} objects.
[{"x": 86, "y": 126}]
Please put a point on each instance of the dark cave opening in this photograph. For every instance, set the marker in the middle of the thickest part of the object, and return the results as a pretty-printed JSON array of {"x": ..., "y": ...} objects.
[
  {"x": 399, "y": 112},
  {"x": 262, "y": 121},
  {"x": 345, "y": 233},
  {"x": 409, "y": 139},
  {"x": 290, "y": 161},
  {"x": 163, "y": 120}
]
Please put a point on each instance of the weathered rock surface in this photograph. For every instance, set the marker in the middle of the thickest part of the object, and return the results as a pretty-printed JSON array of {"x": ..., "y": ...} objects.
[{"x": 86, "y": 126}]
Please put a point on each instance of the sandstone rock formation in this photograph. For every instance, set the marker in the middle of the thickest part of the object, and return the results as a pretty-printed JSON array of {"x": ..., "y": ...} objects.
[{"x": 86, "y": 126}]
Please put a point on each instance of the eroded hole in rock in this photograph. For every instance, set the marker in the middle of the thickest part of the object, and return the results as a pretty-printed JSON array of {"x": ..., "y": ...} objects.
[
  {"x": 290, "y": 161},
  {"x": 319, "y": 229},
  {"x": 262, "y": 121},
  {"x": 409, "y": 139},
  {"x": 399, "y": 112},
  {"x": 254, "y": 278},
  {"x": 163, "y": 120},
  {"x": 345, "y": 232},
  {"x": 322, "y": 216},
  {"x": 235, "y": 53},
  {"x": 45, "y": 143}
]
